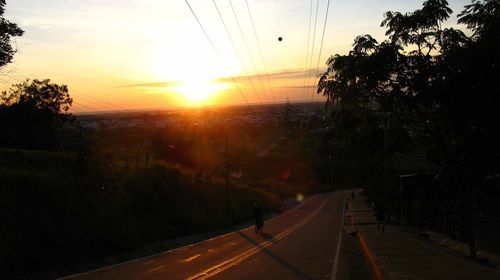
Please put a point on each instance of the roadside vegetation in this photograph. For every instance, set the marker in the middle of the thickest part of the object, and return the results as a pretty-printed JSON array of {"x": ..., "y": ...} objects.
[
  {"x": 426, "y": 94},
  {"x": 87, "y": 194},
  {"x": 70, "y": 194},
  {"x": 56, "y": 212}
]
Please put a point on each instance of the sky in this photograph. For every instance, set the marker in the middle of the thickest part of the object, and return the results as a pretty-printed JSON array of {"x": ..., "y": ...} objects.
[{"x": 140, "y": 54}]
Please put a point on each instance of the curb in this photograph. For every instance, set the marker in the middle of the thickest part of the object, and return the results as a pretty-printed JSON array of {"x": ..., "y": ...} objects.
[
  {"x": 366, "y": 251},
  {"x": 371, "y": 258}
]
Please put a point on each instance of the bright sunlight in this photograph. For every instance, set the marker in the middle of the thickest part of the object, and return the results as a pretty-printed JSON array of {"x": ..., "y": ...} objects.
[{"x": 200, "y": 91}]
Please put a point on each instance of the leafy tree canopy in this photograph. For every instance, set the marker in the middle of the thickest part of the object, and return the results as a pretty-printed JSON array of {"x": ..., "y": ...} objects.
[
  {"x": 418, "y": 67},
  {"x": 41, "y": 94},
  {"x": 437, "y": 86},
  {"x": 8, "y": 30},
  {"x": 33, "y": 113}
]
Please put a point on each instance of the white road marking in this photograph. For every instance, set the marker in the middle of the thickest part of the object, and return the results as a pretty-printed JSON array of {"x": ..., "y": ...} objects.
[
  {"x": 216, "y": 269},
  {"x": 289, "y": 212},
  {"x": 191, "y": 258},
  {"x": 155, "y": 269},
  {"x": 337, "y": 253}
]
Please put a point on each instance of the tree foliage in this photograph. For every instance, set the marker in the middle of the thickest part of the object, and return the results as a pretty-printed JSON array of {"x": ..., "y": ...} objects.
[
  {"x": 482, "y": 17},
  {"x": 436, "y": 81},
  {"x": 8, "y": 30},
  {"x": 436, "y": 86},
  {"x": 41, "y": 94},
  {"x": 33, "y": 112}
]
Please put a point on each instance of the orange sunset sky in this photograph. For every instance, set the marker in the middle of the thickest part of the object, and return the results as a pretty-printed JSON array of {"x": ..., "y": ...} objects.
[{"x": 131, "y": 54}]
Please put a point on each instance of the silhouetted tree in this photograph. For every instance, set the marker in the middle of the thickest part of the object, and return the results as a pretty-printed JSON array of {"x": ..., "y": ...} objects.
[
  {"x": 437, "y": 86},
  {"x": 32, "y": 112},
  {"x": 41, "y": 94},
  {"x": 7, "y": 31}
]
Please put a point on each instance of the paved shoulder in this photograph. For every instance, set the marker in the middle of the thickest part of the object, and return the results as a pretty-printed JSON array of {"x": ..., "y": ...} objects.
[
  {"x": 308, "y": 252},
  {"x": 401, "y": 255},
  {"x": 299, "y": 244}
]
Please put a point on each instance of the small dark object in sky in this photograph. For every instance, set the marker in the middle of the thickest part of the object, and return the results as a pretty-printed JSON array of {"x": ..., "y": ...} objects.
[{"x": 280, "y": 39}]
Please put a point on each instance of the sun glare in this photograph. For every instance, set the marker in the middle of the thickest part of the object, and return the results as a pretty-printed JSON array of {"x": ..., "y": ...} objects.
[{"x": 200, "y": 92}]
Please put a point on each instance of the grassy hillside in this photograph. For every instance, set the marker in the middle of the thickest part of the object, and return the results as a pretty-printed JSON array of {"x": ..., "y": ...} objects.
[{"x": 57, "y": 208}]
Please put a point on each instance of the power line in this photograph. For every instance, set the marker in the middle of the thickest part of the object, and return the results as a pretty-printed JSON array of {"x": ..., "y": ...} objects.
[
  {"x": 90, "y": 109},
  {"x": 248, "y": 49},
  {"x": 260, "y": 50},
  {"x": 321, "y": 45},
  {"x": 314, "y": 39},
  {"x": 19, "y": 78},
  {"x": 77, "y": 104},
  {"x": 304, "y": 92},
  {"x": 90, "y": 99},
  {"x": 236, "y": 51},
  {"x": 216, "y": 52},
  {"x": 4, "y": 73}
]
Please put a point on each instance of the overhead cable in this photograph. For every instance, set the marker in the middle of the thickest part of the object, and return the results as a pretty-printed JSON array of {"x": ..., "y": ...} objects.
[{"x": 216, "y": 52}]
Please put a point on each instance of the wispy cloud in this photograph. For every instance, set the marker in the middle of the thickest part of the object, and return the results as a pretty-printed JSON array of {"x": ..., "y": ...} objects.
[
  {"x": 162, "y": 84},
  {"x": 284, "y": 74},
  {"x": 287, "y": 75},
  {"x": 298, "y": 87},
  {"x": 292, "y": 74}
]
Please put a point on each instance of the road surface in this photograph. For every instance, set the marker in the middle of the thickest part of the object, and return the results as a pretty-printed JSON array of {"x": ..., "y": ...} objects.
[{"x": 303, "y": 243}]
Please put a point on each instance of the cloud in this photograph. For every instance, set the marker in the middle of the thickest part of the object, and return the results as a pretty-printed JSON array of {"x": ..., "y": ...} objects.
[
  {"x": 294, "y": 87},
  {"x": 285, "y": 74},
  {"x": 290, "y": 74},
  {"x": 162, "y": 84}
]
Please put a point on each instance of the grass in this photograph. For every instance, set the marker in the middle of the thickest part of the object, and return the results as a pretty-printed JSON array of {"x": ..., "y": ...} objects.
[{"x": 57, "y": 209}]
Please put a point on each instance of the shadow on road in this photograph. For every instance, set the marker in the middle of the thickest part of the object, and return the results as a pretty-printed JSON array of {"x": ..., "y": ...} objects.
[
  {"x": 268, "y": 237},
  {"x": 279, "y": 260}
]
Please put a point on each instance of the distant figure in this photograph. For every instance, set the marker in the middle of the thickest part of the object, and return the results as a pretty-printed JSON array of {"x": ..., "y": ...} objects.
[
  {"x": 380, "y": 214},
  {"x": 352, "y": 195},
  {"x": 259, "y": 220}
]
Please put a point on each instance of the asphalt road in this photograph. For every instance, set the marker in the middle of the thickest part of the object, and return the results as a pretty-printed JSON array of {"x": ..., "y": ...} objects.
[{"x": 303, "y": 243}]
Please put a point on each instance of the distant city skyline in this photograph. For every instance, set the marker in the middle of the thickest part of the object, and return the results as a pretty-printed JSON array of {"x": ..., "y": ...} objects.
[{"x": 151, "y": 54}]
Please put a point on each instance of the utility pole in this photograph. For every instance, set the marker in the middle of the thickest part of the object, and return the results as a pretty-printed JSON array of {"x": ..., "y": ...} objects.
[
  {"x": 226, "y": 171},
  {"x": 331, "y": 169},
  {"x": 386, "y": 167},
  {"x": 472, "y": 222},
  {"x": 288, "y": 111}
]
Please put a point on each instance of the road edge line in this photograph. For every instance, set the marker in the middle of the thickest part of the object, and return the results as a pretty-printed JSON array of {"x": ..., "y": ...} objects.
[
  {"x": 337, "y": 253},
  {"x": 371, "y": 258},
  {"x": 218, "y": 268},
  {"x": 366, "y": 251},
  {"x": 295, "y": 208}
]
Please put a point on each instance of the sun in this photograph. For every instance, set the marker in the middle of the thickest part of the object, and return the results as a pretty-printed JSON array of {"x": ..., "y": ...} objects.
[{"x": 199, "y": 91}]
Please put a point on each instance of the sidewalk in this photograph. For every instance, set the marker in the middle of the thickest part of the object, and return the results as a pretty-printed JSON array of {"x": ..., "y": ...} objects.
[{"x": 398, "y": 253}]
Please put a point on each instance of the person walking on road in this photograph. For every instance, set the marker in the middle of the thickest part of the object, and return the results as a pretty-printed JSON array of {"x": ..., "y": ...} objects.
[
  {"x": 259, "y": 220},
  {"x": 380, "y": 214}
]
